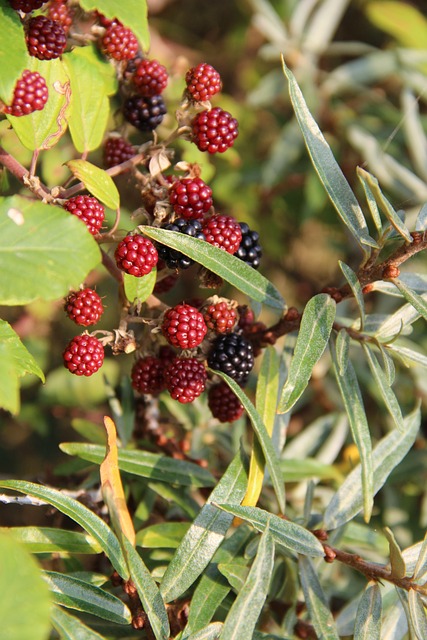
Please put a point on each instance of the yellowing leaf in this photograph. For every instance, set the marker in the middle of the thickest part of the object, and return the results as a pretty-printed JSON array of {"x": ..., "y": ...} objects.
[{"x": 112, "y": 488}]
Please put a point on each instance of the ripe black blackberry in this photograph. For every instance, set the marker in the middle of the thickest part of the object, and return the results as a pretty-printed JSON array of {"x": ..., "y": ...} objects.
[
  {"x": 46, "y": 39},
  {"x": 225, "y": 406},
  {"x": 232, "y": 354},
  {"x": 117, "y": 150},
  {"x": 30, "y": 94},
  {"x": 190, "y": 198},
  {"x": 84, "y": 355},
  {"x": 26, "y": 6},
  {"x": 145, "y": 113},
  {"x": 185, "y": 379},
  {"x": 203, "y": 82},
  {"x": 118, "y": 42},
  {"x": 150, "y": 77},
  {"x": 183, "y": 326},
  {"x": 89, "y": 210},
  {"x": 136, "y": 255},
  {"x": 214, "y": 130},
  {"x": 175, "y": 259},
  {"x": 250, "y": 249},
  {"x": 84, "y": 307},
  {"x": 148, "y": 375}
]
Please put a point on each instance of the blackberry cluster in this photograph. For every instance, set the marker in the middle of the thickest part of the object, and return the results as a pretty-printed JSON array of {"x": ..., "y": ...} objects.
[
  {"x": 185, "y": 379},
  {"x": 117, "y": 150},
  {"x": 46, "y": 38},
  {"x": 84, "y": 355},
  {"x": 26, "y": 6},
  {"x": 145, "y": 113},
  {"x": 84, "y": 307},
  {"x": 250, "y": 249},
  {"x": 61, "y": 13},
  {"x": 89, "y": 210},
  {"x": 150, "y": 78},
  {"x": 234, "y": 355},
  {"x": 190, "y": 198},
  {"x": 175, "y": 259},
  {"x": 30, "y": 94}
]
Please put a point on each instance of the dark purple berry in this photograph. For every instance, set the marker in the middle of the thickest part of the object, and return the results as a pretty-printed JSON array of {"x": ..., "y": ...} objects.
[
  {"x": 46, "y": 38},
  {"x": 145, "y": 113}
]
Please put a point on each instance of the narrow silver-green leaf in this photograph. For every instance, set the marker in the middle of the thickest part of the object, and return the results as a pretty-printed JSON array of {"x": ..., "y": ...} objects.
[
  {"x": 210, "y": 632},
  {"x": 418, "y": 614},
  {"x": 145, "y": 464},
  {"x": 318, "y": 609},
  {"x": 162, "y": 535},
  {"x": 313, "y": 336},
  {"x": 342, "y": 347},
  {"x": 290, "y": 535},
  {"x": 212, "y": 586},
  {"x": 246, "y": 609},
  {"x": 149, "y": 594},
  {"x": 90, "y": 522},
  {"x": 205, "y": 534},
  {"x": 50, "y": 540},
  {"x": 390, "y": 400},
  {"x": 420, "y": 571},
  {"x": 356, "y": 289},
  {"x": 421, "y": 224},
  {"x": 387, "y": 209},
  {"x": 76, "y": 594},
  {"x": 373, "y": 207},
  {"x": 235, "y": 271},
  {"x": 71, "y": 628},
  {"x": 388, "y": 364},
  {"x": 138, "y": 289},
  {"x": 264, "y": 440},
  {"x": 368, "y": 616},
  {"x": 353, "y": 403},
  {"x": 267, "y": 386},
  {"x": 235, "y": 573},
  {"x": 327, "y": 168},
  {"x": 397, "y": 561},
  {"x": 97, "y": 181},
  {"x": 417, "y": 301},
  {"x": 390, "y": 450}
]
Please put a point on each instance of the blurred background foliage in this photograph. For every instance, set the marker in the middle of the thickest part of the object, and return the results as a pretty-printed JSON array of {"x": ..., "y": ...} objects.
[{"x": 362, "y": 67}]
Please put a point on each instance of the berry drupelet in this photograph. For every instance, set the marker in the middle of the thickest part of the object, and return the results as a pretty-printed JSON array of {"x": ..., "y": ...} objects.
[
  {"x": 118, "y": 42},
  {"x": 183, "y": 326},
  {"x": 84, "y": 355},
  {"x": 225, "y": 406},
  {"x": 175, "y": 259},
  {"x": 150, "y": 78},
  {"x": 117, "y": 150},
  {"x": 203, "y": 82},
  {"x": 214, "y": 130},
  {"x": 145, "y": 113},
  {"x": 46, "y": 38},
  {"x": 232, "y": 354},
  {"x": 190, "y": 198},
  {"x": 89, "y": 210},
  {"x": 84, "y": 307},
  {"x": 250, "y": 249},
  {"x": 185, "y": 379},
  {"x": 147, "y": 375},
  {"x": 136, "y": 255},
  {"x": 26, "y": 6},
  {"x": 30, "y": 94},
  {"x": 223, "y": 232}
]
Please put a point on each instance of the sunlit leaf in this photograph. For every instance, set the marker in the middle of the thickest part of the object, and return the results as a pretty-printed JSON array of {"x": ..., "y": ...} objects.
[
  {"x": 50, "y": 540},
  {"x": 373, "y": 207},
  {"x": 417, "y": 301},
  {"x": 318, "y": 609},
  {"x": 132, "y": 13},
  {"x": 368, "y": 617},
  {"x": 71, "y": 628},
  {"x": 97, "y": 182},
  {"x": 383, "y": 387},
  {"x": 138, "y": 289},
  {"x": 397, "y": 562},
  {"x": 164, "y": 534},
  {"x": 13, "y": 50},
  {"x": 356, "y": 289},
  {"x": 418, "y": 614}
]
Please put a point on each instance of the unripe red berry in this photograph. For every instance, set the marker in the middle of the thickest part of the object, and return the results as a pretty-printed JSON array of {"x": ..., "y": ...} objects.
[
  {"x": 60, "y": 12},
  {"x": 223, "y": 232},
  {"x": 30, "y": 94},
  {"x": 84, "y": 355},
  {"x": 223, "y": 403},
  {"x": 150, "y": 77},
  {"x": 185, "y": 379},
  {"x": 148, "y": 375},
  {"x": 117, "y": 150},
  {"x": 214, "y": 130},
  {"x": 190, "y": 198},
  {"x": 89, "y": 210},
  {"x": 203, "y": 82},
  {"x": 220, "y": 317},
  {"x": 136, "y": 255},
  {"x": 183, "y": 326},
  {"x": 26, "y": 6},
  {"x": 118, "y": 42},
  {"x": 46, "y": 39},
  {"x": 84, "y": 307}
]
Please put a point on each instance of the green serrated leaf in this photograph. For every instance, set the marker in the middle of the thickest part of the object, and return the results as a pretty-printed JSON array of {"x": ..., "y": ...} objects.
[
  {"x": 313, "y": 336},
  {"x": 146, "y": 465},
  {"x": 90, "y": 522},
  {"x": 71, "y": 628},
  {"x": 13, "y": 50},
  {"x": 97, "y": 182},
  {"x": 76, "y": 594},
  {"x": 353, "y": 403},
  {"x": 164, "y": 534},
  {"x": 384, "y": 388},
  {"x": 318, "y": 609},
  {"x": 42, "y": 129},
  {"x": 25, "y": 602},
  {"x": 387, "y": 454},
  {"x": 44, "y": 251},
  {"x": 290, "y": 535},
  {"x": 246, "y": 609},
  {"x": 132, "y": 13},
  {"x": 264, "y": 440},
  {"x": 89, "y": 109},
  {"x": 205, "y": 534},
  {"x": 138, "y": 289},
  {"x": 356, "y": 289},
  {"x": 235, "y": 271},
  {"x": 49, "y": 540},
  {"x": 368, "y": 617},
  {"x": 327, "y": 168}
]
